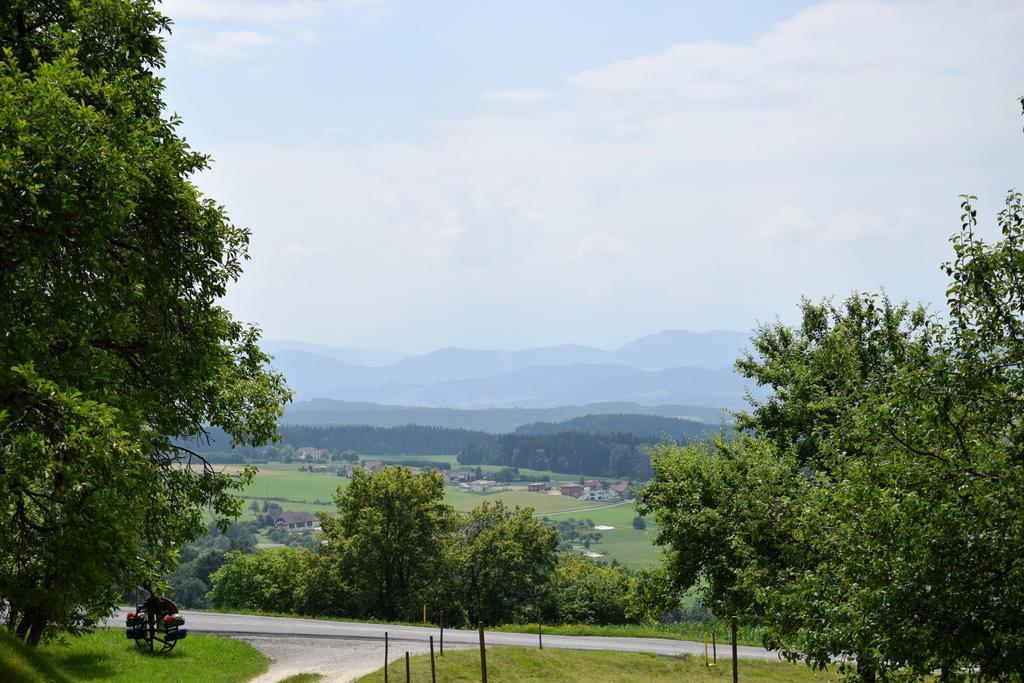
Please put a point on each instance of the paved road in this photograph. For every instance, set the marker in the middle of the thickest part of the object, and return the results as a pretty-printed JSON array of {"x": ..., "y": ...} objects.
[{"x": 288, "y": 627}]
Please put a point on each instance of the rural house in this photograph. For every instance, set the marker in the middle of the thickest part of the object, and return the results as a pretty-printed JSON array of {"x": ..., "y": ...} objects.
[
  {"x": 621, "y": 489},
  {"x": 594, "y": 494},
  {"x": 537, "y": 488},
  {"x": 574, "y": 490},
  {"x": 593, "y": 485},
  {"x": 294, "y": 521},
  {"x": 481, "y": 486}
]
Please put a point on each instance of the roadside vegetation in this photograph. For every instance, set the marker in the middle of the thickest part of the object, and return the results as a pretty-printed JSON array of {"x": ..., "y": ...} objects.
[
  {"x": 569, "y": 666},
  {"x": 682, "y": 630}
]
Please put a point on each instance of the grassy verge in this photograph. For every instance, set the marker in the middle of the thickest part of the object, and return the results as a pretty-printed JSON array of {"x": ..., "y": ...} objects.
[
  {"x": 519, "y": 664},
  {"x": 106, "y": 655},
  {"x": 678, "y": 631},
  {"x": 19, "y": 662}
]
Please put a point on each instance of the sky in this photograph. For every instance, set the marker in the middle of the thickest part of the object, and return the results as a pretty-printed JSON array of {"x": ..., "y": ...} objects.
[{"x": 421, "y": 174}]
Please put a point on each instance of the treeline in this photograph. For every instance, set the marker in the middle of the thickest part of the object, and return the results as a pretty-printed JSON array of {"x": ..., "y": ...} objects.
[
  {"x": 655, "y": 427},
  {"x": 595, "y": 445},
  {"x": 599, "y": 455},
  {"x": 393, "y": 546},
  {"x": 405, "y": 440}
]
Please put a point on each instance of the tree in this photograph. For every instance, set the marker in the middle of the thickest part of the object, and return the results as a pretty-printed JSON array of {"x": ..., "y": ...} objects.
[
  {"x": 113, "y": 343},
  {"x": 583, "y": 592},
  {"x": 639, "y": 523},
  {"x": 501, "y": 559},
  {"x": 269, "y": 581},
  {"x": 387, "y": 539},
  {"x": 872, "y": 511}
]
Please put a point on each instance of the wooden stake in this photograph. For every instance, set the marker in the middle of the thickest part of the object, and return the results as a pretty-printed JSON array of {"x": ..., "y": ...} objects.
[
  {"x": 433, "y": 674},
  {"x": 735, "y": 662},
  {"x": 483, "y": 654},
  {"x": 442, "y": 633},
  {"x": 385, "y": 657},
  {"x": 406, "y": 666}
]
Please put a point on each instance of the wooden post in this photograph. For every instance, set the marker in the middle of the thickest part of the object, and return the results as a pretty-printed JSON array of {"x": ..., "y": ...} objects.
[
  {"x": 442, "y": 633},
  {"x": 433, "y": 674},
  {"x": 385, "y": 657},
  {"x": 483, "y": 654},
  {"x": 735, "y": 662},
  {"x": 406, "y": 666},
  {"x": 540, "y": 638},
  {"x": 424, "y": 614},
  {"x": 714, "y": 647}
]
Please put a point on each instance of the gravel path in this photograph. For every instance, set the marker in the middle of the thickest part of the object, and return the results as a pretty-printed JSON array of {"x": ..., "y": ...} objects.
[{"x": 338, "y": 661}]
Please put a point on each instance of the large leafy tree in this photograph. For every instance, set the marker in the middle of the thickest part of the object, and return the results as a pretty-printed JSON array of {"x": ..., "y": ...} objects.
[
  {"x": 874, "y": 510},
  {"x": 387, "y": 542},
  {"x": 501, "y": 558},
  {"x": 112, "y": 344}
]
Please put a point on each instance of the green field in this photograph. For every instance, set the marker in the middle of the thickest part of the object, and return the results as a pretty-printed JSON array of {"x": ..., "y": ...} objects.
[{"x": 628, "y": 546}]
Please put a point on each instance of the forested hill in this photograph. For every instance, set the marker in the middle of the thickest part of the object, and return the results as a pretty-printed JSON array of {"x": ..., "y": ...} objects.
[
  {"x": 653, "y": 426},
  {"x": 404, "y": 440},
  {"x": 598, "y": 455},
  {"x": 596, "y": 445}
]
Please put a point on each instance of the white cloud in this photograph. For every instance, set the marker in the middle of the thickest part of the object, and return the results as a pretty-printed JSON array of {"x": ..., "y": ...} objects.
[
  {"x": 730, "y": 169},
  {"x": 854, "y": 226},
  {"x": 235, "y": 44},
  {"x": 256, "y": 12},
  {"x": 517, "y": 96},
  {"x": 601, "y": 245},
  {"x": 789, "y": 223}
]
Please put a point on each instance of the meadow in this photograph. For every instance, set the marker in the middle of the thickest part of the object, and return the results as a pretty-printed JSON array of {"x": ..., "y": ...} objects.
[{"x": 310, "y": 492}]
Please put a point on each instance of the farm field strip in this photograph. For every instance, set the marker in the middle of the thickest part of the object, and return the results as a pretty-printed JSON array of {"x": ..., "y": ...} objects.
[{"x": 301, "y": 492}]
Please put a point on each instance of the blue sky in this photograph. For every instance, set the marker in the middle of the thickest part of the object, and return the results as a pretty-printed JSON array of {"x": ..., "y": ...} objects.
[{"x": 423, "y": 174}]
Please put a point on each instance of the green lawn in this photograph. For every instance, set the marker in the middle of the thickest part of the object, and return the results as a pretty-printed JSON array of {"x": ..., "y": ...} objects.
[
  {"x": 106, "y": 655},
  {"x": 521, "y": 664}
]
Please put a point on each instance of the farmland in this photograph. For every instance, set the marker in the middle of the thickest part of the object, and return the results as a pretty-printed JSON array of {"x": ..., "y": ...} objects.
[{"x": 309, "y": 492}]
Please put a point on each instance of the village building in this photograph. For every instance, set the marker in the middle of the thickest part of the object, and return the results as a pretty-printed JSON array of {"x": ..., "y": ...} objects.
[
  {"x": 593, "y": 484},
  {"x": 621, "y": 489},
  {"x": 594, "y": 494},
  {"x": 294, "y": 521},
  {"x": 462, "y": 474},
  {"x": 308, "y": 454},
  {"x": 537, "y": 488},
  {"x": 574, "y": 490},
  {"x": 481, "y": 486}
]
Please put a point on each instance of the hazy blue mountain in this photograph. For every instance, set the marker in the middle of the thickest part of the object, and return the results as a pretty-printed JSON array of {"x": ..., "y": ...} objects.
[
  {"x": 454, "y": 363},
  {"x": 679, "y": 348},
  {"x": 312, "y": 375},
  {"x": 566, "y": 385},
  {"x": 493, "y": 420},
  {"x": 671, "y": 367},
  {"x": 345, "y": 355}
]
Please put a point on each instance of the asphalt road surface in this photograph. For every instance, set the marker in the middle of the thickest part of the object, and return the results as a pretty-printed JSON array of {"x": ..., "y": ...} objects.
[{"x": 342, "y": 651}]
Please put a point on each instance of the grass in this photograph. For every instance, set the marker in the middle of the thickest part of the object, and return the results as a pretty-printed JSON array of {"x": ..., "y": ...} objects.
[
  {"x": 302, "y": 678},
  {"x": 678, "y": 631},
  {"x": 106, "y": 655},
  {"x": 520, "y": 664},
  {"x": 19, "y": 662}
]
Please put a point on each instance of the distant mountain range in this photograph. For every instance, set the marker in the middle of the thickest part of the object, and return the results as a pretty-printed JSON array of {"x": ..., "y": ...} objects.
[
  {"x": 672, "y": 367},
  {"x": 326, "y": 412}
]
